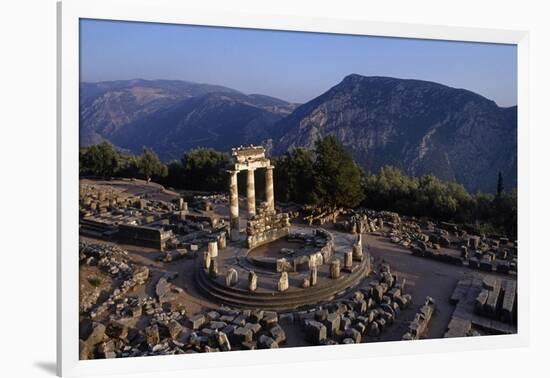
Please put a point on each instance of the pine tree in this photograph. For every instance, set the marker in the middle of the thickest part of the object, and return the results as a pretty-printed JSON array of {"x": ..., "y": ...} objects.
[{"x": 338, "y": 178}]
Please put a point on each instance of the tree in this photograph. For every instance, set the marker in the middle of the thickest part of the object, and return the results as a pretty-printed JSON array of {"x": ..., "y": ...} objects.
[
  {"x": 150, "y": 165},
  {"x": 391, "y": 189},
  {"x": 428, "y": 196},
  {"x": 204, "y": 169},
  {"x": 174, "y": 178},
  {"x": 100, "y": 160},
  {"x": 337, "y": 178},
  {"x": 128, "y": 166},
  {"x": 294, "y": 176}
]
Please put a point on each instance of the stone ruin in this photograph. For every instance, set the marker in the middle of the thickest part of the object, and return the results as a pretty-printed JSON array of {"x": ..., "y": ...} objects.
[
  {"x": 442, "y": 241},
  {"x": 484, "y": 305},
  {"x": 320, "y": 215},
  {"x": 321, "y": 254},
  {"x": 419, "y": 325},
  {"x": 360, "y": 316},
  {"x": 248, "y": 159},
  {"x": 113, "y": 261},
  {"x": 497, "y": 299},
  {"x": 305, "y": 275},
  {"x": 167, "y": 224},
  {"x": 364, "y": 314},
  {"x": 266, "y": 226}
]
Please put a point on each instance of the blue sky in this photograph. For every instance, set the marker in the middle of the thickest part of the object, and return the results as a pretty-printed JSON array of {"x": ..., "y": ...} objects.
[{"x": 289, "y": 65}]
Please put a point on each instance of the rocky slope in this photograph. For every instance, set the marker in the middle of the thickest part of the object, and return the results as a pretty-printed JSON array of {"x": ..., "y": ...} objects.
[
  {"x": 418, "y": 126},
  {"x": 107, "y": 109},
  {"x": 218, "y": 120}
]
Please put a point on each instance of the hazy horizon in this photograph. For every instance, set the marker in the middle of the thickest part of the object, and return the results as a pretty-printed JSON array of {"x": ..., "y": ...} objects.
[
  {"x": 292, "y": 66},
  {"x": 268, "y": 95}
]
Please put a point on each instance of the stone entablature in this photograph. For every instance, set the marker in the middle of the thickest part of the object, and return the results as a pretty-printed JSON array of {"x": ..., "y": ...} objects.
[{"x": 246, "y": 158}]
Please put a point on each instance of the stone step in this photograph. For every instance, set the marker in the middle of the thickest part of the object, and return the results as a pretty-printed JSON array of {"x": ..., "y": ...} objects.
[{"x": 287, "y": 300}]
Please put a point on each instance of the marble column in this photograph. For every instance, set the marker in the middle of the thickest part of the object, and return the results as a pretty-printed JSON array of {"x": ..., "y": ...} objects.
[
  {"x": 269, "y": 197},
  {"x": 234, "y": 205},
  {"x": 250, "y": 193}
]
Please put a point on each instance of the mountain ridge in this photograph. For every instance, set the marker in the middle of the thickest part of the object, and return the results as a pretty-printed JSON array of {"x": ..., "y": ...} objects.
[
  {"x": 419, "y": 126},
  {"x": 106, "y": 107}
]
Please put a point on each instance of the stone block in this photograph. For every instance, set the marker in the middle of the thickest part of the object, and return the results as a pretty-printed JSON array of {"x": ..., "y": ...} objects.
[
  {"x": 174, "y": 328},
  {"x": 213, "y": 268},
  {"x": 313, "y": 277},
  {"x": 266, "y": 342},
  {"x": 242, "y": 334},
  {"x": 481, "y": 299},
  {"x": 249, "y": 345},
  {"x": 197, "y": 321},
  {"x": 353, "y": 334},
  {"x": 269, "y": 319},
  {"x": 335, "y": 268},
  {"x": 217, "y": 324},
  {"x": 282, "y": 265},
  {"x": 332, "y": 323},
  {"x": 252, "y": 281},
  {"x": 492, "y": 301},
  {"x": 256, "y": 316},
  {"x": 231, "y": 277},
  {"x": 508, "y": 301},
  {"x": 348, "y": 259},
  {"x": 321, "y": 315},
  {"x": 223, "y": 341},
  {"x": 278, "y": 334},
  {"x": 152, "y": 335},
  {"x": 239, "y": 320},
  {"x": 213, "y": 249},
  {"x": 315, "y": 331},
  {"x": 345, "y": 323},
  {"x": 212, "y": 315},
  {"x": 282, "y": 284},
  {"x": 361, "y": 327},
  {"x": 254, "y": 327},
  {"x": 93, "y": 334}
]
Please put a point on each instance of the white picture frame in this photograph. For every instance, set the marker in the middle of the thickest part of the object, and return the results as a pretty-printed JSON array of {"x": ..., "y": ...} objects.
[{"x": 164, "y": 11}]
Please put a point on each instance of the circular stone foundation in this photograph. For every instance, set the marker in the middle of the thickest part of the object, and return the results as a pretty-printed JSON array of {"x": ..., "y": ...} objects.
[{"x": 302, "y": 252}]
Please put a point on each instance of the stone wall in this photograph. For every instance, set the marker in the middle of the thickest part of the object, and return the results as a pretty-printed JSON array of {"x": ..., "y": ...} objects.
[
  {"x": 324, "y": 242},
  {"x": 266, "y": 226},
  {"x": 152, "y": 237}
]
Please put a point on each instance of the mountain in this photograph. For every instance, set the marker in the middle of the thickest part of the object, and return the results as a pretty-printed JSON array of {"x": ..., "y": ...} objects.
[
  {"x": 421, "y": 127},
  {"x": 218, "y": 120},
  {"x": 119, "y": 110}
]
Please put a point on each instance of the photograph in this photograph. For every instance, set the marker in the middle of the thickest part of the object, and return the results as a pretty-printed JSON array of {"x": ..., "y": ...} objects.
[{"x": 244, "y": 189}]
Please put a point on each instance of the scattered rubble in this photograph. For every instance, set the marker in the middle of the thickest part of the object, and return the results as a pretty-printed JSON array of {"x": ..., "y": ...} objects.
[{"x": 419, "y": 325}]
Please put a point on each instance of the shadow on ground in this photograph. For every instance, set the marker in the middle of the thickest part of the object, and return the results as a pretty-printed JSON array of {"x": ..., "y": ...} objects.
[{"x": 47, "y": 366}]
